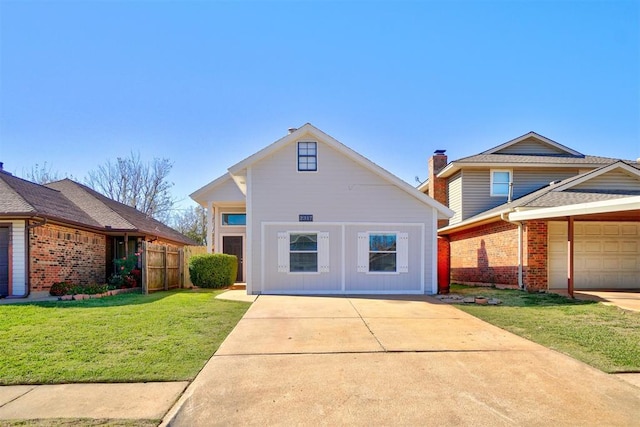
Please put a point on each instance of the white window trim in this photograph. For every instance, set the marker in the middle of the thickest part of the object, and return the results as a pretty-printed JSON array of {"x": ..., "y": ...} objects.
[
  {"x": 284, "y": 252},
  {"x": 222, "y": 224},
  {"x": 491, "y": 172},
  {"x": 402, "y": 253},
  {"x": 298, "y": 157}
]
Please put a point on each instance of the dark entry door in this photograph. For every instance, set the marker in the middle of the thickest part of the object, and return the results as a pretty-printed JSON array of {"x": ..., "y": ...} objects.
[
  {"x": 232, "y": 245},
  {"x": 4, "y": 261}
]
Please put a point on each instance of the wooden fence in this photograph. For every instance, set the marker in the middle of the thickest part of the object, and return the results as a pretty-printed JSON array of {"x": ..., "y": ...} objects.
[
  {"x": 166, "y": 267},
  {"x": 190, "y": 251}
]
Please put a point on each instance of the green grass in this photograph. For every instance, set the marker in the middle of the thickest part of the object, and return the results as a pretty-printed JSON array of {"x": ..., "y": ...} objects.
[
  {"x": 165, "y": 336},
  {"x": 603, "y": 336}
]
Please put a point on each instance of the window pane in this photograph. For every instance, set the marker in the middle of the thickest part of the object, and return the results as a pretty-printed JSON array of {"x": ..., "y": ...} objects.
[
  {"x": 382, "y": 242},
  {"x": 307, "y": 156},
  {"x": 303, "y": 261},
  {"x": 382, "y": 262},
  {"x": 501, "y": 189},
  {"x": 501, "y": 177},
  {"x": 303, "y": 242},
  {"x": 234, "y": 219}
]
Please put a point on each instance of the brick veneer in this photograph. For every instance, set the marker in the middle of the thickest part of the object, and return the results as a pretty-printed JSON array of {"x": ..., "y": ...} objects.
[
  {"x": 488, "y": 255},
  {"x": 60, "y": 253},
  {"x": 535, "y": 255}
]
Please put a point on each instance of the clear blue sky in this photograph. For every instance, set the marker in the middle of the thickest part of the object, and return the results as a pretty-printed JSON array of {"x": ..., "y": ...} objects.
[{"x": 207, "y": 84}]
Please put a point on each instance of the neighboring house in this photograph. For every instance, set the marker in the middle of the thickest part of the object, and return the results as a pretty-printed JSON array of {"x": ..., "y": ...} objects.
[
  {"x": 308, "y": 215},
  {"x": 536, "y": 214},
  {"x": 65, "y": 231}
]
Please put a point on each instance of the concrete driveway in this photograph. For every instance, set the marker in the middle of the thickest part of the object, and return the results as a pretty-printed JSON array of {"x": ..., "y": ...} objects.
[{"x": 363, "y": 361}]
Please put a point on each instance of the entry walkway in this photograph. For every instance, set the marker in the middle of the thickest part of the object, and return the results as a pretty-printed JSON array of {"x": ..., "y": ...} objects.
[{"x": 362, "y": 361}]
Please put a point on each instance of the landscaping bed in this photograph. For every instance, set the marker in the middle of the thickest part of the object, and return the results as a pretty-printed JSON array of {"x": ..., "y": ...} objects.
[
  {"x": 165, "y": 336},
  {"x": 605, "y": 337}
]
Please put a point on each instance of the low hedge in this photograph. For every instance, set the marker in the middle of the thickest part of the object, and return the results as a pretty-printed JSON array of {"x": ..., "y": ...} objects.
[{"x": 213, "y": 270}]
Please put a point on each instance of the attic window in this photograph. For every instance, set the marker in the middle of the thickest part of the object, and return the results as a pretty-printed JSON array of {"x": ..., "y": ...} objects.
[
  {"x": 307, "y": 156},
  {"x": 500, "y": 182}
]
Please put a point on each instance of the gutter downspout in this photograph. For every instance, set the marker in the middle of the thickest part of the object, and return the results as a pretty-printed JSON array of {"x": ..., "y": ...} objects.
[{"x": 520, "y": 239}]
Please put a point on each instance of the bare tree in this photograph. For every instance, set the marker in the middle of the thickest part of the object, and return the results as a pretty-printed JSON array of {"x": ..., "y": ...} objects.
[
  {"x": 42, "y": 174},
  {"x": 192, "y": 223},
  {"x": 143, "y": 186}
]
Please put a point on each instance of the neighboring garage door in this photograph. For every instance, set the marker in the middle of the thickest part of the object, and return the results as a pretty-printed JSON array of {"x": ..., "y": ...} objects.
[{"x": 606, "y": 255}]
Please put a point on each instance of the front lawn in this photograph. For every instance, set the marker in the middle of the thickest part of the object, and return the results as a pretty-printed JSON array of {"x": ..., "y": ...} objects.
[
  {"x": 605, "y": 337},
  {"x": 165, "y": 336}
]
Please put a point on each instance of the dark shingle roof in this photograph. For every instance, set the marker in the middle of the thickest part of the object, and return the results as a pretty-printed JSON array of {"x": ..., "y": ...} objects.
[
  {"x": 115, "y": 214},
  {"x": 20, "y": 196},
  {"x": 74, "y": 203},
  {"x": 537, "y": 159}
]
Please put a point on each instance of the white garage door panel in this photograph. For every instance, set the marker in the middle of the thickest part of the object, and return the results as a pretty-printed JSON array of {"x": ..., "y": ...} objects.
[{"x": 606, "y": 255}]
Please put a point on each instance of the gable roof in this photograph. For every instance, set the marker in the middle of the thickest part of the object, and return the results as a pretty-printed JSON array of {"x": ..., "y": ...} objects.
[
  {"x": 114, "y": 215},
  {"x": 238, "y": 171},
  {"x": 564, "y": 194},
  {"x": 541, "y": 140},
  {"x": 69, "y": 202},
  {"x": 22, "y": 197},
  {"x": 521, "y": 152}
]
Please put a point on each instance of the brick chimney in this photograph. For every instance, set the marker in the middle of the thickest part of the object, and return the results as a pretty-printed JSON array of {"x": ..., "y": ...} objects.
[{"x": 437, "y": 186}]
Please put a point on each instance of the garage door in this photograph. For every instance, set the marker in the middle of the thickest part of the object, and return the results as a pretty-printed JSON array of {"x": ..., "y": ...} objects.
[{"x": 607, "y": 255}]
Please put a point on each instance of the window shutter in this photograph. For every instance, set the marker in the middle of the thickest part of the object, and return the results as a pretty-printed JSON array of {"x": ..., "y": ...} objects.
[
  {"x": 283, "y": 252},
  {"x": 323, "y": 252},
  {"x": 402, "y": 248},
  {"x": 363, "y": 252}
]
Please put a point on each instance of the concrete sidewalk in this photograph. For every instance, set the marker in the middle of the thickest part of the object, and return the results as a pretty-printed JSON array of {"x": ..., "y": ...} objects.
[
  {"x": 149, "y": 401},
  {"x": 363, "y": 361}
]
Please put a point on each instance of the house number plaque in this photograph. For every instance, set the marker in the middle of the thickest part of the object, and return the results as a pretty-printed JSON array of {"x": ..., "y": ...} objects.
[{"x": 305, "y": 218}]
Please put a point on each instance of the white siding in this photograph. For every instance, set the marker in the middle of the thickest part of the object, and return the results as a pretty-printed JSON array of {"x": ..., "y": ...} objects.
[
  {"x": 19, "y": 258},
  {"x": 340, "y": 192}
]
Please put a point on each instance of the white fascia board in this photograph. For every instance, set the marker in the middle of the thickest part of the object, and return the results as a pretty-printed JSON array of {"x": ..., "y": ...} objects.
[
  {"x": 474, "y": 222},
  {"x": 606, "y": 206}
]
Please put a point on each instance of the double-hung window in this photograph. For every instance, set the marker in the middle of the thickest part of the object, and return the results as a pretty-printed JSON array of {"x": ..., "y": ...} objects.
[
  {"x": 384, "y": 252},
  {"x": 307, "y": 156},
  {"x": 303, "y": 252},
  {"x": 500, "y": 182}
]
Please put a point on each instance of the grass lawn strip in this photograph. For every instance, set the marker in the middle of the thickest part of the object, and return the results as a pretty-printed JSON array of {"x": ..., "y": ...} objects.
[
  {"x": 602, "y": 336},
  {"x": 165, "y": 336}
]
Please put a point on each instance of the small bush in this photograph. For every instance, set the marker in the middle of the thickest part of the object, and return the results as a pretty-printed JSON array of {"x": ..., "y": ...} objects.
[
  {"x": 60, "y": 288},
  {"x": 213, "y": 270}
]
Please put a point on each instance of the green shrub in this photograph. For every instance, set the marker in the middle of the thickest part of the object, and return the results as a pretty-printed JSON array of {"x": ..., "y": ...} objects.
[
  {"x": 213, "y": 270},
  {"x": 60, "y": 288}
]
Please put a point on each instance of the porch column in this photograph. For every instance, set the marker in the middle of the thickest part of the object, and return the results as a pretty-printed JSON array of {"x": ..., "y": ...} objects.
[
  {"x": 570, "y": 248},
  {"x": 126, "y": 245},
  {"x": 210, "y": 216}
]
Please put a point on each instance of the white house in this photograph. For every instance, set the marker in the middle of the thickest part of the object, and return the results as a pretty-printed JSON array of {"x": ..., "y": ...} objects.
[{"x": 308, "y": 215}]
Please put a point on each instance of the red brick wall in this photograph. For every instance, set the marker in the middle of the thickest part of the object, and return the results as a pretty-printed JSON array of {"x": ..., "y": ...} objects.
[
  {"x": 535, "y": 255},
  {"x": 60, "y": 253},
  {"x": 486, "y": 255},
  {"x": 437, "y": 187},
  {"x": 444, "y": 266}
]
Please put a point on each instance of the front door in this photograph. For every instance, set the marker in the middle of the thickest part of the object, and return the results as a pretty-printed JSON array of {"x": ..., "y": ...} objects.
[
  {"x": 232, "y": 245},
  {"x": 4, "y": 261}
]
